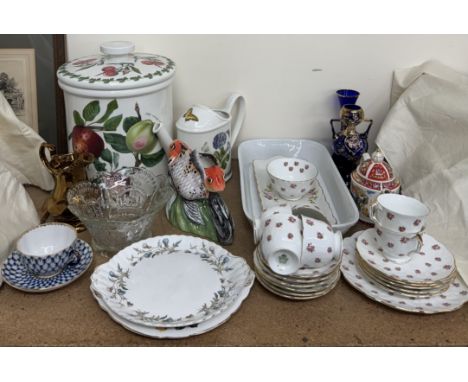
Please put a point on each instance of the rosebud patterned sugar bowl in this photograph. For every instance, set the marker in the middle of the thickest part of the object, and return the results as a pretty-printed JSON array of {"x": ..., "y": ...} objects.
[
  {"x": 291, "y": 178},
  {"x": 372, "y": 177}
]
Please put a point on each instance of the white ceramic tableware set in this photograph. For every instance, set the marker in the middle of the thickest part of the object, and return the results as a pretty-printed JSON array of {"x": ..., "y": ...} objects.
[
  {"x": 298, "y": 257},
  {"x": 46, "y": 257},
  {"x": 399, "y": 265},
  {"x": 172, "y": 286}
]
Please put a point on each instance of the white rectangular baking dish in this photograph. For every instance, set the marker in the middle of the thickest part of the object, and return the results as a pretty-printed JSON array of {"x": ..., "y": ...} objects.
[{"x": 343, "y": 204}]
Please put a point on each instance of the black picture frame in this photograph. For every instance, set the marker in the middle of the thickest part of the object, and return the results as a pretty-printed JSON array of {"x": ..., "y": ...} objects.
[{"x": 50, "y": 53}]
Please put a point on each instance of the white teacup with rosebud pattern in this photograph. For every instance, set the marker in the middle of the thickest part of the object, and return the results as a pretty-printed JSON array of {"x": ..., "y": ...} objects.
[
  {"x": 282, "y": 242},
  {"x": 291, "y": 178},
  {"x": 396, "y": 246},
  {"x": 259, "y": 224},
  {"x": 399, "y": 213},
  {"x": 320, "y": 245}
]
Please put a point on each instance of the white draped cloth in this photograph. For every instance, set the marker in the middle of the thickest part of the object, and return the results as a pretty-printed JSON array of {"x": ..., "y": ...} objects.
[
  {"x": 425, "y": 138},
  {"x": 19, "y": 164}
]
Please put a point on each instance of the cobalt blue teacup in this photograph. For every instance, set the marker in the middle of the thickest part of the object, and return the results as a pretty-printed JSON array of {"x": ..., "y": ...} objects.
[{"x": 48, "y": 248}]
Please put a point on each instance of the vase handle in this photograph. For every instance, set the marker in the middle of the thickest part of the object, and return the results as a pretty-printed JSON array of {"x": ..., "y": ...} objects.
[
  {"x": 333, "y": 127},
  {"x": 365, "y": 133}
]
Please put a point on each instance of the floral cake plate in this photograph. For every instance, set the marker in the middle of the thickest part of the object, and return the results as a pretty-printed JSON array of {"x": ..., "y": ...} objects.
[
  {"x": 315, "y": 199},
  {"x": 17, "y": 276},
  {"x": 179, "y": 332},
  {"x": 171, "y": 281},
  {"x": 452, "y": 299}
]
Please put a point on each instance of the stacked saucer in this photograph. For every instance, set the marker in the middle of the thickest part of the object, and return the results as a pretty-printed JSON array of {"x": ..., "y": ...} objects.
[
  {"x": 305, "y": 284},
  {"x": 397, "y": 264},
  {"x": 426, "y": 273},
  {"x": 172, "y": 286},
  {"x": 453, "y": 298}
]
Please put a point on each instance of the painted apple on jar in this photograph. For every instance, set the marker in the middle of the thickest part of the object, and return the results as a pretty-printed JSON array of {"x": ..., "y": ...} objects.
[{"x": 96, "y": 132}]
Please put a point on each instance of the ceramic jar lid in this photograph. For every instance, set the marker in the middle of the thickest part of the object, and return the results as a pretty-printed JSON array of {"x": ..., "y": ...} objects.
[
  {"x": 117, "y": 68},
  {"x": 375, "y": 174}
]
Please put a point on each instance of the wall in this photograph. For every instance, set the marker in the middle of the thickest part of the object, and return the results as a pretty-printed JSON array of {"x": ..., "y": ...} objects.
[{"x": 289, "y": 81}]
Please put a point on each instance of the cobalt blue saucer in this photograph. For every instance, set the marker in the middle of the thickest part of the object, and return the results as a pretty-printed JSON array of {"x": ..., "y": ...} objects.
[{"x": 17, "y": 276}]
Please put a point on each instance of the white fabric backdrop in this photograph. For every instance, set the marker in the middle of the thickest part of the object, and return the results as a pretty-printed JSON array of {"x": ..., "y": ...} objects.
[
  {"x": 19, "y": 164},
  {"x": 425, "y": 138}
]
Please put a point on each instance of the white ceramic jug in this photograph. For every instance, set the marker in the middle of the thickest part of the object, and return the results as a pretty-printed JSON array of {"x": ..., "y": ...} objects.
[{"x": 209, "y": 130}]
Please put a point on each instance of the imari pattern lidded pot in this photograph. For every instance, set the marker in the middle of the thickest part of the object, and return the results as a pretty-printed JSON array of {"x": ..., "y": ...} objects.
[{"x": 373, "y": 176}]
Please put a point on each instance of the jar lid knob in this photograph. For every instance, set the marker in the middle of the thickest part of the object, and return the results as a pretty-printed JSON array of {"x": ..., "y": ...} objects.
[
  {"x": 117, "y": 48},
  {"x": 377, "y": 156}
]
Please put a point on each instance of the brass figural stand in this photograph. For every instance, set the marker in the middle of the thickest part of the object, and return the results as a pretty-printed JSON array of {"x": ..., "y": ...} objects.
[{"x": 67, "y": 169}]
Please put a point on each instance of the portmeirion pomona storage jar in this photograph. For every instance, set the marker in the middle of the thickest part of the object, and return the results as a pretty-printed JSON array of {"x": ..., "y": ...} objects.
[
  {"x": 112, "y": 101},
  {"x": 371, "y": 178}
]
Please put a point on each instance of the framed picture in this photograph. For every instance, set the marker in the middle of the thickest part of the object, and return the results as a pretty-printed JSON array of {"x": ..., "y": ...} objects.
[
  {"x": 49, "y": 54},
  {"x": 18, "y": 83}
]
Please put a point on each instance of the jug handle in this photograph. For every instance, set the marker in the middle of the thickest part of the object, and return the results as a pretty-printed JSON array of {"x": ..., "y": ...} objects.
[
  {"x": 43, "y": 156},
  {"x": 238, "y": 122},
  {"x": 365, "y": 133},
  {"x": 333, "y": 127}
]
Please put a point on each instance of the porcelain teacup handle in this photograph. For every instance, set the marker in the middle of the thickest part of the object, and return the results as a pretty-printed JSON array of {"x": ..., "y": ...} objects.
[
  {"x": 257, "y": 228},
  {"x": 420, "y": 241},
  {"x": 372, "y": 207},
  {"x": 239, "y": 120}
]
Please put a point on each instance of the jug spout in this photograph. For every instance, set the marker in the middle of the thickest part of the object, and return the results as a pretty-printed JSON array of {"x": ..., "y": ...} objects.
[{"x": 163, "y": 136}]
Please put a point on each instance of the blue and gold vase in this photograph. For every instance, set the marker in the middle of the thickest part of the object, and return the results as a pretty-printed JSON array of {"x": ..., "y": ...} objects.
[{"x": 348, "y": 143}]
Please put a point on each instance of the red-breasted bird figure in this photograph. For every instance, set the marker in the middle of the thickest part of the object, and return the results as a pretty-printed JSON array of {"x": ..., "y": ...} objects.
[
  {"x": 197, "y": 176},
  {"x": 194, "y": 174}
]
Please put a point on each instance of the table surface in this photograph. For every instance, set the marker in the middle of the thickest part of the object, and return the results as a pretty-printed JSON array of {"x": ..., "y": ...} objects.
[{"x": 344, "y": 317}]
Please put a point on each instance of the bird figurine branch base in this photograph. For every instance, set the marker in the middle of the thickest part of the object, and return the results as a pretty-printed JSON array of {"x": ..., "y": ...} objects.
[{"x": 197, "y": 207}]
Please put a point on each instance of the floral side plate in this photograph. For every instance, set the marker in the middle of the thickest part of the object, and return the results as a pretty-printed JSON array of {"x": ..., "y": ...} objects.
[
  {"x": 452, "y": 299},
  {"x": 315, "y": 199},
  {"x": 171, "y": 281},
  {"x": 17, "y": 276}
]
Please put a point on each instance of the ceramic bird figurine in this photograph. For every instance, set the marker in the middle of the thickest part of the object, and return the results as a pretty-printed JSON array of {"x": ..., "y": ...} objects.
[
  {"x": 194, "y": 174},
  {"x": 198, "y": 178}
]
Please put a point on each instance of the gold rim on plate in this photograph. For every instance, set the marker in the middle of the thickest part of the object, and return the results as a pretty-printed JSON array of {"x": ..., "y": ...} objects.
[
  {"x": 284, "y": 280},
  {"x": 315, "y": 287},
  {"x": 296, "y": 297},
  {"x": 392, "y": 281},
  {"x": 401, "y": 290},
  {"x": 405, "y": 282}
]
